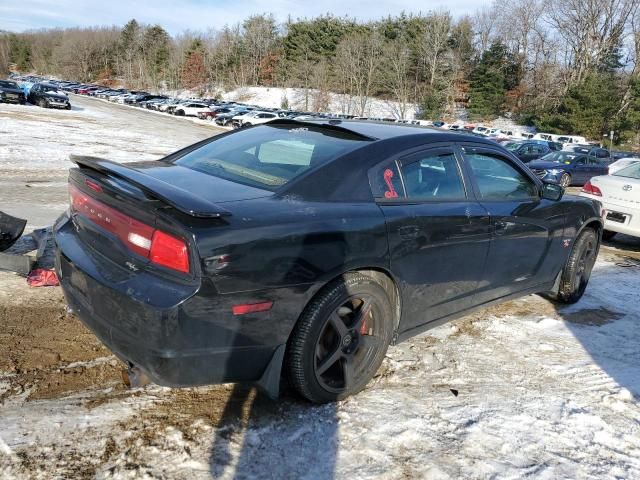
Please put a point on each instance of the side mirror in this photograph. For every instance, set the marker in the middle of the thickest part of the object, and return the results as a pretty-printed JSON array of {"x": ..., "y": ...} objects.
[{"x": 552, "y": 191}]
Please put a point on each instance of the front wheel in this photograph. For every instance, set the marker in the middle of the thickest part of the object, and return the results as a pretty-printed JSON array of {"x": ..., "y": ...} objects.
[
  {"x": 565, "y": 180},
  {"x": 577, "y": 271},
  {"x": 341, "y": 339},
  {"x": 42, "y": 103}
]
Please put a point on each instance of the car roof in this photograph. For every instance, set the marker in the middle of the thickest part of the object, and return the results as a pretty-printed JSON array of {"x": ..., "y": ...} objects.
[{"x": 381, "y": 130}]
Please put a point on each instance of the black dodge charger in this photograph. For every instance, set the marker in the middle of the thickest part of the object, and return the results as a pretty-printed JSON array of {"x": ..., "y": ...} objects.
[{"x": 304, "y": 249}]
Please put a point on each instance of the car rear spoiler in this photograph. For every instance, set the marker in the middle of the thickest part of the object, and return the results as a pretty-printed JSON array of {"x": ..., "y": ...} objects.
[{"x": 180, "y": 199}]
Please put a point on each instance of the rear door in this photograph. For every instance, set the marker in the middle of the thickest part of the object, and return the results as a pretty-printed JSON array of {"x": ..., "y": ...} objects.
[
  {"x": 525, "y": 228},
  {"x": 581, "y": 170},
  {"x": 438, "y": 234}
]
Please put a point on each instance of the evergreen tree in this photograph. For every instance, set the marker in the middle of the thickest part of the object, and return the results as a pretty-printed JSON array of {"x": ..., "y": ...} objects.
[
  {"x": 495, "y": 74},
  {"x": 20, "y": 52},
  {"x": 588, "y": 109}
]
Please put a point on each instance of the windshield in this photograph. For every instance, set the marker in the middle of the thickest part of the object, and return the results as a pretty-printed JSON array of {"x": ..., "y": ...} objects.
[
  {"x": 632, "y": 171},
  {"x": 512, "y": 146},
  {"x": 50, "y": 89},
  {"x": 561, "y": 157},
  {"x": 6, "y": 84},
  {"x": 270, "y": 156}
]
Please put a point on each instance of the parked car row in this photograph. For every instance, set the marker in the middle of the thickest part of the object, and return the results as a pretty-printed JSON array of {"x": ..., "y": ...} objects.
[
  {"x": 527, "y": 146},
  {"x": 43, "y": 94}
]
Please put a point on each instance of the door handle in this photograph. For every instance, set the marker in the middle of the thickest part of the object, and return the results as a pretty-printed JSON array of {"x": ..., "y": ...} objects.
[{"x": 500, "y": 227}]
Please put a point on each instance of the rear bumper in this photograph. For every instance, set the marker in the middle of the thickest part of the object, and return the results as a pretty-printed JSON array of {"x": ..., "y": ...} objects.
[
  {"x": 57, "y": 104},
  {"x": 173, "y": 333},
  {"x": 631, "y": 225}
]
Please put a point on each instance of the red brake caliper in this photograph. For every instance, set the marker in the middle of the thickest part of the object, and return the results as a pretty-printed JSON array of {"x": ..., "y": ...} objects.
[{"x": 363, "y": 327}]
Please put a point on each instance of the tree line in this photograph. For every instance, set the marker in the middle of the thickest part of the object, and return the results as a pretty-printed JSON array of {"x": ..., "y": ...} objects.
[{"x": 565, "y": 66}]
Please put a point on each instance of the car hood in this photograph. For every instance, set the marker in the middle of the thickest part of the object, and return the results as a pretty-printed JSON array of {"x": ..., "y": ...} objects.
[
  {"x": 544, "y": 165},
  {"x": 209, "y": 187}
]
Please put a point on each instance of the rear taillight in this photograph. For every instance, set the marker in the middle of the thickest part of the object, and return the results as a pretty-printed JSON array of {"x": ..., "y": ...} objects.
[
  {"x": 169, "y": 251},
  {"x": 159, "y": 247},
  {"x": 591, "y": 189}
]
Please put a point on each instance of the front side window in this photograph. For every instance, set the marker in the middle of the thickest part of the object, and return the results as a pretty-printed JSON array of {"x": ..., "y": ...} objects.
[
  {"x": 498, "y": 179},
  {"x": 432, "y": 176},
  {"x": 270, "y": 156}
]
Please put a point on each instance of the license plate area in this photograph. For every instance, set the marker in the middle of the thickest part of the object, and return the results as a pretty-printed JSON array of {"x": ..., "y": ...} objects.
[{"x": 616, "y": 217}]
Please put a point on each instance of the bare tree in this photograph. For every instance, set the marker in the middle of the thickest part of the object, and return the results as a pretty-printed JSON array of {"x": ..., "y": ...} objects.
[
  {"x": 434, "y": 43},
  {"x": 395, "y": 75},
  {"x": 260, "y": 34},
  {"x": 590, "y": 29},
  {"x": 358, "y": 57}
]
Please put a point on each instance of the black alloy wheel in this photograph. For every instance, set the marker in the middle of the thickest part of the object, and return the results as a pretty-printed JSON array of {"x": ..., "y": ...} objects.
[
  {"x": 340, "y": 339},
  {"x": 577, "y": 271}
]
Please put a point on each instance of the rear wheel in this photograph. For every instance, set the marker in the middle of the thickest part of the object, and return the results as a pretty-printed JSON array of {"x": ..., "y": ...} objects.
[
  {"x": 577, "y": 271},
  {"x": 565, "y": 180},
  {"x": 179, "y": 113},
  {"x": 341, "y": 339},
  {"x": 608, "y": 235}
]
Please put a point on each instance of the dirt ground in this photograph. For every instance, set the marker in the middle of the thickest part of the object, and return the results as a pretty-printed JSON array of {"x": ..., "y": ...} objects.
[{"x": 51, "y": 354}]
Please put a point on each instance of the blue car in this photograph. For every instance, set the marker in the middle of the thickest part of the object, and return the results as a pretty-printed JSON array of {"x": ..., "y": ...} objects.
[{"x": 568, "y": 168}]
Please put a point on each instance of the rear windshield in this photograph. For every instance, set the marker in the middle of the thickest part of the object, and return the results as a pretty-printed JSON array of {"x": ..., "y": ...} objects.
[
  {"x": 632, "y": 171},
  {"x": 270, "y": 156}
]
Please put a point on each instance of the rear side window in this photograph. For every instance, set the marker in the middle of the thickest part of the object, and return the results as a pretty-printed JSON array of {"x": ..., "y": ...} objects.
[
  {"x": 385, "y": 181},
  {"x": 432, "y": 177},
  {"x": 269, "y": 156},
  {"x": 498, "y": 179}
]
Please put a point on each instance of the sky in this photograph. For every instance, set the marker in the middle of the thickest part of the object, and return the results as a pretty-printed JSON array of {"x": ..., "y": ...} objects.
[{"x": 181, "y": 15}]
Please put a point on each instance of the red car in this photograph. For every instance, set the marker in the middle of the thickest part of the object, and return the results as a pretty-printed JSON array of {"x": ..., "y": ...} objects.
[{"x": 210, "y": 115}]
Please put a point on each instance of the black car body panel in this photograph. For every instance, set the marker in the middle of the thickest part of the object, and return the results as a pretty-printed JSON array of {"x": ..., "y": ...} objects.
[
  {"x": 48, "y": 96},
  {"x": 285, "y": 244},
  {"x": 10, "y": 92}
]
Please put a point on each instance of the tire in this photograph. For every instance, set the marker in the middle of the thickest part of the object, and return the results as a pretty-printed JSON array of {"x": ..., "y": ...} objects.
[
  {"x": 576, "y": 272},
  {"x": 340, "y": 339},
  {"x": 68, "y": 107},
  {"x": 42, "y": 103},
  {"x": 565, "y": 180},
  {"x": 179, "y": 113},
  {"x": 608, "y": 235}
]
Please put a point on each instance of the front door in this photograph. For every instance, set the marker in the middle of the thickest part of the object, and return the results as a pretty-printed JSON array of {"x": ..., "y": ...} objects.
[
  {"x": 525, "y": 228},
  {"x": 438, "y": 234}
]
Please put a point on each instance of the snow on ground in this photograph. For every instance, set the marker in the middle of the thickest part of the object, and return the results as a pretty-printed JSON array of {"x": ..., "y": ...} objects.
[
  {"x": 301, "y": 99},
  {"x": 35, "y": 145},
  {"x": 521, "y": 390}
]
